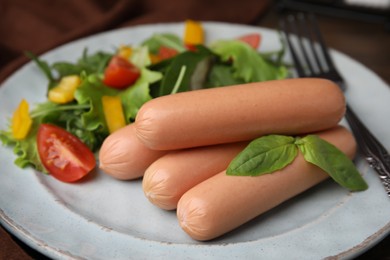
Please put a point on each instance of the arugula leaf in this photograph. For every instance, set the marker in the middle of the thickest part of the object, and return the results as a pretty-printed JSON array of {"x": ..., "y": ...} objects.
[
  {"x": 330, "y": 159},
  {"x": 248, "y": 64},
  {"x": 264, "y": 155},
  {"x": 42, "y": 65},
  {"x": 87, "y": 64},
  {"x": 90, "y": 64}
]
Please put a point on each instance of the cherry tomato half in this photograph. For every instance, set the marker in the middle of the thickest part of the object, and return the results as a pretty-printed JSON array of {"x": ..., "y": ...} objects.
[
  {"x": 63, "y": 154},
  {"x": 166, "y": 52},
  {"x": 120, "y": 73},
  {"x": 252, "y": 39}
]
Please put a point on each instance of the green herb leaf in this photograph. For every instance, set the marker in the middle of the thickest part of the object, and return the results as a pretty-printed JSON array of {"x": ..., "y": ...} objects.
[
  {"x": 190, "y": 60},
  {"x": 42, "y": 65},
  {"x": 264, "y": 155},
  {"x": 90, "y": 93},
  {"x": 222, "y": 75},
  {"x": 94, "y": 63},
  {"x": 248, "y": 64},
  {"x": 164, "y": 39},
  {"x": 24, "y": 149},
  {"x": 135, "y": 96},
  {"x": 330, "y": 159}
]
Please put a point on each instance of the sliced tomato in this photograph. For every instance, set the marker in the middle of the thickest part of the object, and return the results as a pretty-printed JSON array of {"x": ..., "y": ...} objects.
[
  {"x": 120, "y": 73},
  {"x": 63, "y": 155},
  {"x": 252, "y": 39},
  {"x": 166, "y": 52}
]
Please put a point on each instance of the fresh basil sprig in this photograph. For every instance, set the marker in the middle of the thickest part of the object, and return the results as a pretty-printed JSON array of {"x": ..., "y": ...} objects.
[
  {"x": 264, "y": 155},
  {"x": 274, "y": 152}
]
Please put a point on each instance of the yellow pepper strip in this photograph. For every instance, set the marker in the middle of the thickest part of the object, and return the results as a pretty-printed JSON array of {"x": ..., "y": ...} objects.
[
  {"x": 154, "y": 58},
  {"x": 64, "y": 91},
  {"x": 21, "y": 121},
  {"x": 193, "y": 33},
  {"x": 125, "y": 51},
  {"x": 113, "y": 112}
]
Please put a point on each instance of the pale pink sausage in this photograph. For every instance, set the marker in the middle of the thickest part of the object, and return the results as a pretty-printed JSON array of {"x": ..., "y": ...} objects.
[
  {"x": 170, "y": 176},
  {"x": 124, "y": 157},
  {"x": 239, "y": 113},
  {"x": 222, "y": 203}
]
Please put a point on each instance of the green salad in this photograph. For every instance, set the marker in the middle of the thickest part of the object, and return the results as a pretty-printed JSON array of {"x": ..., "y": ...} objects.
[{"x": 103, "y": 91}]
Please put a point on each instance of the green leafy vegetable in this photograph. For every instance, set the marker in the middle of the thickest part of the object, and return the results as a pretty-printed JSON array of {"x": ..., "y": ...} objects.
[
  {"x": 264, "y": 155},
  {"x": 273, "y": 152},
  {"x": 134, "y": 97},
  {"x": 164, "y": 39},
  {"x": 26, "y": 149},
  {"x": 222, "y": 75},
  {"x": 188, "y": 59},
  {"x": 227, "y": 63},
  {"x": 330, "y": 159},
  {"x": 248, "y": 64},
  {"x": 89, "y": 64}
]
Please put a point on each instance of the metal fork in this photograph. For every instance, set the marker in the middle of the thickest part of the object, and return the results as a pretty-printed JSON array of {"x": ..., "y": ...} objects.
[{"x": 311, "y": 59}]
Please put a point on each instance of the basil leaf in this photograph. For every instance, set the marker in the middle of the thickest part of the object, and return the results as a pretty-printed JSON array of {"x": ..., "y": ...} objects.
[
  {"x": 333, "y": 161},
  {"x": 264, "y": 155}
]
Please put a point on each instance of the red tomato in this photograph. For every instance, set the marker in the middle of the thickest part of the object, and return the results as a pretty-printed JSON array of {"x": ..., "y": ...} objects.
[
  {"x": 252, "y": 39},
  {"x": 63, "y": 154},
  {"x": 191, "y": 47},
  {"x": 120, "y": 73},
  {"x": 166, "y": 52}
]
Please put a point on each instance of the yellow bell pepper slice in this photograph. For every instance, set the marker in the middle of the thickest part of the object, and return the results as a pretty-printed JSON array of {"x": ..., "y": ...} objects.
[
  {"x": 154, "y": 58},
  {"x": 113, "y": 112},
  {"x": 64, "y": 91},
  {"x": 193, "y": 33},
  {"x": 21, "y": 121},
  {"x": 125, "y": 51}
]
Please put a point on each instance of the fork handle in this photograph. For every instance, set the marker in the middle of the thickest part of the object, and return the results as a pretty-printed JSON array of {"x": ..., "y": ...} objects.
[{"x": 374, "y": 152}]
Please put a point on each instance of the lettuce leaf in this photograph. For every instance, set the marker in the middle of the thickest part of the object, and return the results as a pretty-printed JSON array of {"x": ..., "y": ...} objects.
[
  {"x": 164, "y": 39},
  {"x": 25, "y": 150},
  {"x": 134, "y": 97},
  {"x": 247, "y": 63}
]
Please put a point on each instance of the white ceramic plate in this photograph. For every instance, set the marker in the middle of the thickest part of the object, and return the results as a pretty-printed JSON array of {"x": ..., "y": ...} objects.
[{"x": 102, "y": 218}]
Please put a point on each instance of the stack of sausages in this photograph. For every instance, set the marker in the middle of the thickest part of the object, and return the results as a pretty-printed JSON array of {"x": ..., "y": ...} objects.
[{"x": 182, "y": 144}]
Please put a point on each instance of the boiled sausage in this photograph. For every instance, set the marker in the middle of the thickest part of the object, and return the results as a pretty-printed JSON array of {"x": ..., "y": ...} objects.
[
  {"x": 222, "y": 203},
  {"x": 124, "y": 157},
  {"x": 170, "y": 176},
  {"x": 239, "y": 113}
]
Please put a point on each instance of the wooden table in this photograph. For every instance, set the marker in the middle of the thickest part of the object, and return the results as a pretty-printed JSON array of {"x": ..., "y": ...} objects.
[{"x": 366, "y": 41}]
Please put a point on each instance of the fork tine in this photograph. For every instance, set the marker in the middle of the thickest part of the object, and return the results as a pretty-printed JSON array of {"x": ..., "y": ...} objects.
[
  {"x": 310, "y": 35},
  {"x": 321, "y": 42},
  {"x": 325, "y": 51},
  {"x": 286, "y": 30},
  {"x": 300, "y": 29}
]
